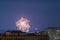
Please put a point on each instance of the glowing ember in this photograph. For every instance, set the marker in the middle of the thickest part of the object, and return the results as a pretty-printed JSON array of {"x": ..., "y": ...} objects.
[{"x": 23, "y": 24}]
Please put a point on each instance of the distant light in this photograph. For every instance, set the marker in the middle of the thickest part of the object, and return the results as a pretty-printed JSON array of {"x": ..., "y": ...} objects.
[{"x": 36, "y": 28}]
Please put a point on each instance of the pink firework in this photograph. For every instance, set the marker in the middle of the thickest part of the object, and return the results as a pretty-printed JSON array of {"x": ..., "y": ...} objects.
[{"x": 23, "y": 24}]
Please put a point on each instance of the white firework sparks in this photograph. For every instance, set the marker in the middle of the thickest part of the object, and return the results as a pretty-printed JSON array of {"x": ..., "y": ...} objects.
[{"x": 23, "y": 24}]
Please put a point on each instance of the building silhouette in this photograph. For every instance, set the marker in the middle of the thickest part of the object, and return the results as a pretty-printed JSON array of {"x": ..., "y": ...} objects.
[
  {"x": 53, "y": 33},
  {"x": 18, "y": 35}
]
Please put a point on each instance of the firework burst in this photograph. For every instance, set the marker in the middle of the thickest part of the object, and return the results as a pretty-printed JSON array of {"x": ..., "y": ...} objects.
[{"x": 23, "y": 24}]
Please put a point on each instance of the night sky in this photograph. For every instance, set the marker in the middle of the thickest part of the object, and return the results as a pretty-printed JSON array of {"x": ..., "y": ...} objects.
[{"x": 41, "y": 13}]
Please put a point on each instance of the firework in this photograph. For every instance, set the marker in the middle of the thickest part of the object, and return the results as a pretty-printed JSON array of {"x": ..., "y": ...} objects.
[{"x": 23, "y": 24}]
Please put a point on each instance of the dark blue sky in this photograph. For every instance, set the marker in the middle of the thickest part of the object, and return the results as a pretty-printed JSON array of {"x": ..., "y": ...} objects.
[{"x": 41, "y": 13}]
